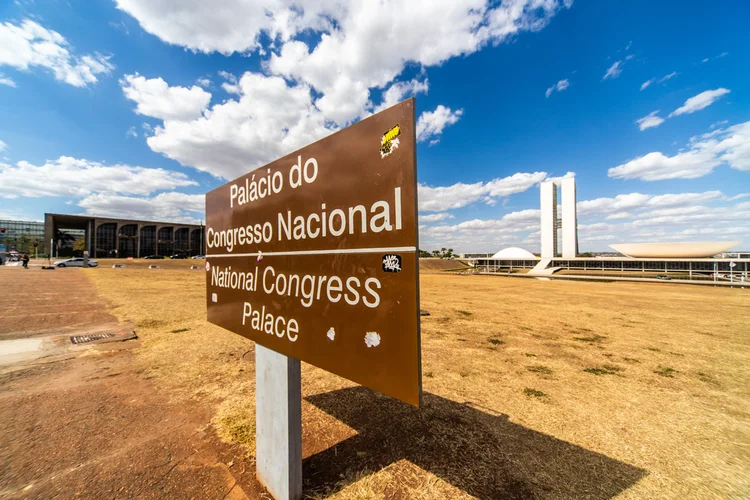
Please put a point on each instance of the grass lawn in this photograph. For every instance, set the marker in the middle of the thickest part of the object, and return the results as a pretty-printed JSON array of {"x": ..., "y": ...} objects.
[{"x": 532, "y": 388}]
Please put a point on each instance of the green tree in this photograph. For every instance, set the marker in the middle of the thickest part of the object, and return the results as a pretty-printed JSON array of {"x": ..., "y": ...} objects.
[
  {"x": 22, "y": 244},
  {"x": 79, "y": 245}
]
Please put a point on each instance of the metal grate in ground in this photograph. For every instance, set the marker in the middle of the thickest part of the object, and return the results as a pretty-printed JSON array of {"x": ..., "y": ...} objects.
[{"x": 82, "y": 339}]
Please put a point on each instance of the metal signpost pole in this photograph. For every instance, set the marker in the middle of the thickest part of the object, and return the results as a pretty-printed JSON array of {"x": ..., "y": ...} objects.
[
  {"x": 314, "y": 257},
  {"x": 278, "y": 423}
]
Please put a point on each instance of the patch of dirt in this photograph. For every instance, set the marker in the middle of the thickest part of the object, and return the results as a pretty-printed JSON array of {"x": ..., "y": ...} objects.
[
  {"x": 37, "y": 302},
  {"x": 87, "y": 423},
  {"x": 89, "y": 426}
]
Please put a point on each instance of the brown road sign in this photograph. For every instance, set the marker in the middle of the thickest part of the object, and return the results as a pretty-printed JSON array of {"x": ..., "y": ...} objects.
[{"x": 315, "y": 254}]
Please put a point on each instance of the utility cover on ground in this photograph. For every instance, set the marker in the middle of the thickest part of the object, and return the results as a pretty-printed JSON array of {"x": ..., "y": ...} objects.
[{"x": 315, "y": 254}]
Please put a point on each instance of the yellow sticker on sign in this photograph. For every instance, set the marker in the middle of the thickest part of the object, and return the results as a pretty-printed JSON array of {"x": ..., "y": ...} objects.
[{"x": 389, "y": 141}]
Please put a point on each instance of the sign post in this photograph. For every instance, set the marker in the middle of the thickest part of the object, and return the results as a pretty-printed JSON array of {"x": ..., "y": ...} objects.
[
  {"x": 314, "y": 257},
  {"x": 278, "y": 423}
]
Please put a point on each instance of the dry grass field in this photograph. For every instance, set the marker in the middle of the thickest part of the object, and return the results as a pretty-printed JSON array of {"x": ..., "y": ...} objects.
[
  {"x": 181, "y": 264},
  {"x": 439, "y": 265},
  {"x": 533, "y": 388}
]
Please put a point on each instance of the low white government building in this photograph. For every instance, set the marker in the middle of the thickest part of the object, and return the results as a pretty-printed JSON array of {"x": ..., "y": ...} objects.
[{"x": 683, "y": 260}]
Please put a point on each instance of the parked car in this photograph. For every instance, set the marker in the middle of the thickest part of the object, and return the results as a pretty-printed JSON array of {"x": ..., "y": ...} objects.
[
  {"x": 154, "y": 257},
  {"x": 198, "y": 257},
  {"x": 75, "y": 262},
  {"x": 179, "y": 256},
  {"x": 662, "y": 277}
]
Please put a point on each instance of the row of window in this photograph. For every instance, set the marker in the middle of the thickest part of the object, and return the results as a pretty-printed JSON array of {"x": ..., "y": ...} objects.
[
  {"x": 16, "y": 229},
  {"x": 165, "y": 241},
  {"x": 622, "y": 265},
  {"x": 648, "y": 265}
]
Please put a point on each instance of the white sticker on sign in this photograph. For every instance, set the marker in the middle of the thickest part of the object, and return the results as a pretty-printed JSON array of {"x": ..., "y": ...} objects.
[
  {"x": 372, "y": 339},
  {"x": 214, "y": 297}
]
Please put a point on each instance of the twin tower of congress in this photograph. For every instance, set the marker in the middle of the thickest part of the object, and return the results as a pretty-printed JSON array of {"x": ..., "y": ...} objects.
[{"x": 550, "y": 222}]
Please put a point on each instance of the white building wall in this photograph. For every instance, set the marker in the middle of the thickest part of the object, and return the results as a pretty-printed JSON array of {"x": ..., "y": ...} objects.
[
  {"x": 569, "y": 219},
  {"x": 548, "y": 206}
]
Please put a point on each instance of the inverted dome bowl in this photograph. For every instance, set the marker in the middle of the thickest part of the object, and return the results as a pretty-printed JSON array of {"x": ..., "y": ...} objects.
[{"x": 682, "y": 250}]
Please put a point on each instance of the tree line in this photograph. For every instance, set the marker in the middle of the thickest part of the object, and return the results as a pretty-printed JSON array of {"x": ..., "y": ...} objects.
[{"x": 443, "y": 253}]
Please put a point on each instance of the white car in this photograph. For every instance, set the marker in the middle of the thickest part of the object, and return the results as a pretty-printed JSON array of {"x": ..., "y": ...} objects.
[{"x": 75, "y": 262}]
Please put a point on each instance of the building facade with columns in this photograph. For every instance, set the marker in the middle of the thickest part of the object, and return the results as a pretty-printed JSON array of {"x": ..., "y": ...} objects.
[{"x": 122, "y": 238}]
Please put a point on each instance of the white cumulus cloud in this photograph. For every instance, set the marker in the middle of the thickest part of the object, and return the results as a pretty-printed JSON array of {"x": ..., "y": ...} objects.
[
  {"x": 268, "y": 120},
  {"x": 172, "y": 206},
  {"x": 155, "y": 98},
  {"x": 431, "y": 123},
  {"x": 729, "y": 146},
  {"x": 68, "y": 176},
  {"x": 371, "y": 45},
  {"x": 6, "y": 80},
  {"x": 400, "y": 90},
  {"x": 649, "y": 121},
  {"x": 229, "y": 26},
  {"x": 657, "y": 167},
  {"x": 625, "y": 217},
  {"x": 700, "y": 101},
  {"x": 29, "y": 44},
  {"x": 441, "y": 198},
  {"x": 296, "y": 98},
  {"x": 435, "y": 217}
]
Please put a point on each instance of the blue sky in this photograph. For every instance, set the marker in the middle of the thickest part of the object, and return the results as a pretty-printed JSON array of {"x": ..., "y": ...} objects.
[{"x": 136, "y": 108}]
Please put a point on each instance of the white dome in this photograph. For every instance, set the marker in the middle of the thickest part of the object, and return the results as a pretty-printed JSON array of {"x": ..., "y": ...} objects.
[{"x": 514, "y": 253}]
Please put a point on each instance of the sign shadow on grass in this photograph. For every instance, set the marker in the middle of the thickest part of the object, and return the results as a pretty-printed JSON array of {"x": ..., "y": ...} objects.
[{"x": 483, "y": 454}]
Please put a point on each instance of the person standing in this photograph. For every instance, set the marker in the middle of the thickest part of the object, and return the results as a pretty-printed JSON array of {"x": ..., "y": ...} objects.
[{"x": 25, "y": 260}]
